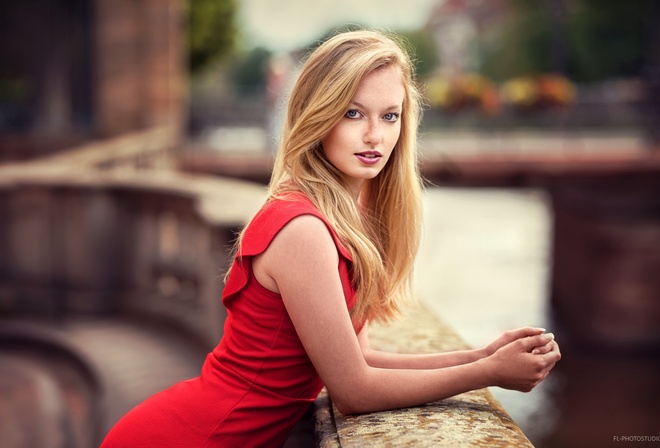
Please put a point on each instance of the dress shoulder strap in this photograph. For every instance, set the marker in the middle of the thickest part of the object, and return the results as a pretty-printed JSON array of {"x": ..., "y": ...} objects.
[{"x": 263, "y": 228}]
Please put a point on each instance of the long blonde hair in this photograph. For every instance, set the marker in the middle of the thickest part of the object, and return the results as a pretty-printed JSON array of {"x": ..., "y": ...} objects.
[{"x": 382, "y": 232}]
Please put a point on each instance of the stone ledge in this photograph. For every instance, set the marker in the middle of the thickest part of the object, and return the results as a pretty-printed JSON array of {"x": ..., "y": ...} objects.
[
  {"x": 471, "y": 419},
  {"x": 221, "y": 201}
]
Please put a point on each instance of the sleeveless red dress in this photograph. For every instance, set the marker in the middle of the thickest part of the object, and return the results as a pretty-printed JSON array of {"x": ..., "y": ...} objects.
[{"x": 258, "y": 382}]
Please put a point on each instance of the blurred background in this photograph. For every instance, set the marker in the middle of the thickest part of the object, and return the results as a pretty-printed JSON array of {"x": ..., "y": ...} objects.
[{"x": 136, "y": 137}]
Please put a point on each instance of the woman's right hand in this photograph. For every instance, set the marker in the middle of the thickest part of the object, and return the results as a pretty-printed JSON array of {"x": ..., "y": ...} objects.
[{"x": 523, "y": 363}]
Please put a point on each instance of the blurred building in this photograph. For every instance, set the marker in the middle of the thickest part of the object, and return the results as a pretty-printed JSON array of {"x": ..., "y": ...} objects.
[
  {"x": 111, "y": 263},
  {"x": 79, "y": 69}
]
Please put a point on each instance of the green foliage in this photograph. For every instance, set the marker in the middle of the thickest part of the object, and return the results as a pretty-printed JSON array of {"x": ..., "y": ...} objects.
[
  {"x": 532, "y": 34},
  {"x": 212, "y": 31},
  {"x": 592, "y": 40},
  {"x": 610, "y": 38},
  {"x": 522, "y": 47},
  {"x": 249, "y": 74},
  {"x": 423, "y": 52}
]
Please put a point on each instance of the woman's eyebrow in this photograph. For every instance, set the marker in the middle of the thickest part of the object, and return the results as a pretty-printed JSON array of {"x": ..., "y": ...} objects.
[{"x": 362, "y": 106}]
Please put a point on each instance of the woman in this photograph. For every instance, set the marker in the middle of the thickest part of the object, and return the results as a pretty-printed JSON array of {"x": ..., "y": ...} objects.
[{"x": 331, "y": 250}]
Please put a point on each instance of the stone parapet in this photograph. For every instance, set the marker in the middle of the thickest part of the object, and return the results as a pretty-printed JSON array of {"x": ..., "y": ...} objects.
[
  {"x": 470, "y": 419},
  {"x": 94, "y": 231}
]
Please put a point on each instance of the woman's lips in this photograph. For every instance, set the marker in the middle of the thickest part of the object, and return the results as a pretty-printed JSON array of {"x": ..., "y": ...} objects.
[{"x": 369, "y": 157}]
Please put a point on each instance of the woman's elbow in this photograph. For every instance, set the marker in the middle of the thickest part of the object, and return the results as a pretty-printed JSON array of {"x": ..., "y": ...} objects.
[
  {"x": 349, "y": 407},
  {"x": 356, "y": 393},
  {"x": 353, "y": 401}
]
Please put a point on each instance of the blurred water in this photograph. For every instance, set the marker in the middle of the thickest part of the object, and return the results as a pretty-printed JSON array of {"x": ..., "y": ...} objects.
[{"x": 483, "y": 268}]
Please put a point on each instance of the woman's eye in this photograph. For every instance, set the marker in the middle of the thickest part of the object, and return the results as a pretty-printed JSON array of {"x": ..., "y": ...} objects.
[
  {"x": 352, "y": 113},
  {"x": 391, "y": 116}
]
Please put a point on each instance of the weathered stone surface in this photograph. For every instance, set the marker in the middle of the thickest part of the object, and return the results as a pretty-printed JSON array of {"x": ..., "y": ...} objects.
[{"x": 470, "y": 419}]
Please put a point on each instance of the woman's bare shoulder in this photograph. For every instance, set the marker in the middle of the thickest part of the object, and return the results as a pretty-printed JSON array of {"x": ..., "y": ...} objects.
[
  {"x": 303, "y": 247},
  {"x": 304, "y": 234}
]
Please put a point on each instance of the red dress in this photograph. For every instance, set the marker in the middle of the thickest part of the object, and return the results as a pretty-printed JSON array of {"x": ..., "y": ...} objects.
[{"x": 258, "y": 382}]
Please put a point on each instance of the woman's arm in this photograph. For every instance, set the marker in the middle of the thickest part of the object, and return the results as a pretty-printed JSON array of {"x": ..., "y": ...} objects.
[
  {"x": 389, "y": 360},
  {"x": 302, "y": 264}
]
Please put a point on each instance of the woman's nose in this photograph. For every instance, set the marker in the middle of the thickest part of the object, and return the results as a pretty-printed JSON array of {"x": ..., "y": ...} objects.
[{"x": 373, "y": 134}]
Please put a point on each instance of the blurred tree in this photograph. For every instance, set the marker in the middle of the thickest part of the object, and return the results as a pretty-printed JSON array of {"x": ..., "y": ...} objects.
[
  {"x": 250, "y": 71},
  {"x": 212, "y": 31},
  {"x": 610, "y": 38},
  {"x": 588, "y": 40},
  {"x": 424, "y": 51},
  {"x": 520, "y": 47}
]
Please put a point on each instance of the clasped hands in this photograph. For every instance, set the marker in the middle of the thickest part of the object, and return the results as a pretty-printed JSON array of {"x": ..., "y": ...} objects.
[{"x": 520, "y": 359}]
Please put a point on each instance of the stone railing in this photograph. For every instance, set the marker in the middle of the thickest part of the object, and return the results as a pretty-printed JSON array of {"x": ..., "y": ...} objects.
[
  {"x": 470, "y": 419},
  {"x": 98, "y": 228},
  {"x": 88, "y": 242},
  {"x": 146, "y": 149}
]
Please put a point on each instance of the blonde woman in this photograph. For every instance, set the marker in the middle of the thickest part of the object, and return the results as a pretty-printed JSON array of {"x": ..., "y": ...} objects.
[{"x": 331, "y": 251}]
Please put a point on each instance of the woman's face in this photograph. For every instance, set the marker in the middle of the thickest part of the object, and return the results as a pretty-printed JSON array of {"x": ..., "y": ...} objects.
[{"x": 361, "y": 142}]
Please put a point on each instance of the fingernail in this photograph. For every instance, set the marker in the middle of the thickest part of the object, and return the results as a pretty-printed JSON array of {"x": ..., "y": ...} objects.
[
  {"x": 541, "y": 329},
  {"x": 535, "y": 352},
  {"x": 550, "y": 336}
]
